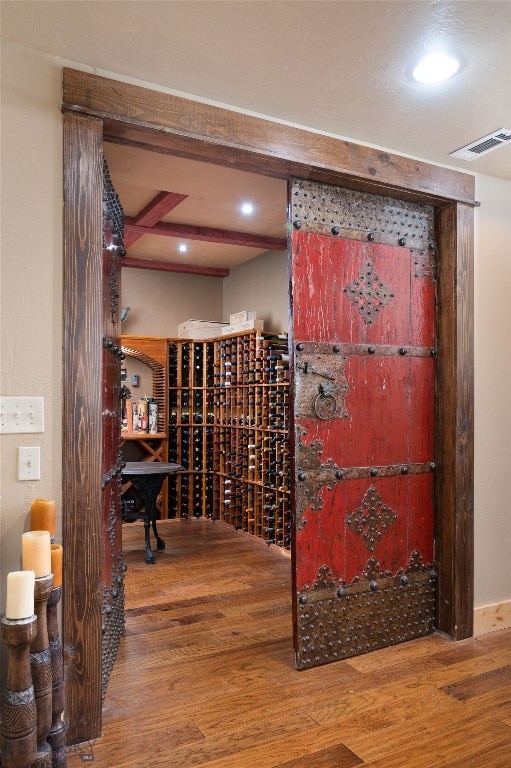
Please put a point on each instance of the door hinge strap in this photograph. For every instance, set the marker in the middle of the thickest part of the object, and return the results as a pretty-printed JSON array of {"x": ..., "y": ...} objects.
[
  {"x": 355, "y": 473},
  {"x": 336, "y": 348}
]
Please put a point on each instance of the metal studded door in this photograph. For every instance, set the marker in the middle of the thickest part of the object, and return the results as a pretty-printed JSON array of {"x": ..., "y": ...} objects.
[
  {"x": 113, "y": 565},
  {"x": 363, "y": 338}
]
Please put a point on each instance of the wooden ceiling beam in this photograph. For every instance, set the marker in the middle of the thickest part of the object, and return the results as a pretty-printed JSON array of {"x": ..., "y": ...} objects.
[
  {"x": 154, "y": 211},
  {"x": 163, "y": 203},
  {"x": 168, "y": 266},
  {"x": 130, "y": 237},
  {"x": 207, "y": 234}
]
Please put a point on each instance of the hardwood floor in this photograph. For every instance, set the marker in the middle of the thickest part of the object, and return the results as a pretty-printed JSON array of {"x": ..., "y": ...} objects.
[{"x": 205, "y": 676}]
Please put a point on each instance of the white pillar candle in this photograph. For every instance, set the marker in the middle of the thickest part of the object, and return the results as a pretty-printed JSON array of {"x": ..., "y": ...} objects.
[
  {"x": 20, "y": 595},
  {"x": 36, "y": 552}
]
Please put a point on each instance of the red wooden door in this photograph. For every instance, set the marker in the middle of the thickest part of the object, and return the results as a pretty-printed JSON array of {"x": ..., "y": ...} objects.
[
  {"x": 113, "y": 565},
  {"x": 363, "y": 332}
]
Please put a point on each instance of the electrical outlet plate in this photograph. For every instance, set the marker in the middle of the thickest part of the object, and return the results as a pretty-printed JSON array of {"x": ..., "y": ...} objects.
[
  {"x": 21, "y": 414},
  {"x": 29, "y": 463}
]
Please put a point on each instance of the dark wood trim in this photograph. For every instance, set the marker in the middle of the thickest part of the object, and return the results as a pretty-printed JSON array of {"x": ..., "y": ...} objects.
[
  {"x": 455, "y": 398},
  {"x": 153, "y": 212},
  {"x": 206, "y": 234},
  {"x": 162, "y": 204},
  {"x": 168, "y": 266},
  {"x": 131, "y": 238},
  {"x": 163, "y": 123},
  {"x": 153, "y": 140},
  {"x": 253, "y": 143},
  {"x": 81, "y": 427}
]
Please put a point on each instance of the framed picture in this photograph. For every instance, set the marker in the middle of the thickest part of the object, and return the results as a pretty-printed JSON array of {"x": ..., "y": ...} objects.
[{"x": 124, "y": 374}]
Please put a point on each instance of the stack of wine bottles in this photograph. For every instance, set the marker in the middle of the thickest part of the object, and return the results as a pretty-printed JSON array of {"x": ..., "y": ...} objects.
[
  {"x": 190, "y": 429},
  {"x": 228, "y": 426}
]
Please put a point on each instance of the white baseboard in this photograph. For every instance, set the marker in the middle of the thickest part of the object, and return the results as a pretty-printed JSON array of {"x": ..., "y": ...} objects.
[{"x": 492, "y": 617}]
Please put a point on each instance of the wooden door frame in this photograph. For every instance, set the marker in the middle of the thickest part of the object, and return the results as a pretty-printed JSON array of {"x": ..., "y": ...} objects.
[{"x": 97, "y": 109}]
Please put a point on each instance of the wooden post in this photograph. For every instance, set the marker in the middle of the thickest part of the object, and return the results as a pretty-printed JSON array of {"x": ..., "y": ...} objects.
[
  {"x": 82, "y": 436},
  {"x": 455, "y": 417}
]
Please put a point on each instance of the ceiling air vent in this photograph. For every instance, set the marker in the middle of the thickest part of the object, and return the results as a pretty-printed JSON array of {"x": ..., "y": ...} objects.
[{"x": 483, "y": 145}]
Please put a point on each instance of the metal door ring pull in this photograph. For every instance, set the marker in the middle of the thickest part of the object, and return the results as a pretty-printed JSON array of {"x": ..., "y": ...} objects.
[{"x": 321, "y": 398}]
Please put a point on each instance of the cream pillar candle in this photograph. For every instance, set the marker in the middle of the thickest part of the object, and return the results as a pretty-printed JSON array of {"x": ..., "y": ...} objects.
[
  {"x": 20, "y": 595},
  {"x": 36, "y": 552},
  {"x": 42, "y": 516}
]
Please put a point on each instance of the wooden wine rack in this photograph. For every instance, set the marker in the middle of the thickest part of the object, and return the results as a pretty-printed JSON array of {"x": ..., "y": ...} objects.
[
  {"x": 228, "y": 425},
  {"x": 190, "y": 428}
]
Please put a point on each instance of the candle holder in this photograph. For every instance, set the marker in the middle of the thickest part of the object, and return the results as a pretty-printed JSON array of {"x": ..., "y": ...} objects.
[
  {"x": 19, "y": 718},
  {"x": 57, "y": 734},
  {"x": 40, "y": 664}
]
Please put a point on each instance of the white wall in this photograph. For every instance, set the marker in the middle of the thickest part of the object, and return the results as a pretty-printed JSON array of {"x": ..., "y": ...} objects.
[
  {"x": 260, "y": 284},
  {"x": 159, "y": 301},
  {"x": 31, "y": 231},
  {"x": 31, "y": 279},
  {"x": 492, "y": 391}
]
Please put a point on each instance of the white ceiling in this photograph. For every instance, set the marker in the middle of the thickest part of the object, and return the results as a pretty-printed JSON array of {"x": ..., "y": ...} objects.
[{"x": 342, "y": 67}]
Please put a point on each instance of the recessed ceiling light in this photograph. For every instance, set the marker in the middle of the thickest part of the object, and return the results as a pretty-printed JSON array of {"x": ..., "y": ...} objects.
[
  {"x": 435, "y": 67},
  {"x": 247, "y": 209},
  {"x": 182, "y": 248}
]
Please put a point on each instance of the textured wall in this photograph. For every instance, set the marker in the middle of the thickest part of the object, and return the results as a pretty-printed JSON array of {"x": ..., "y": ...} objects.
[
  {"x": 261, "y": 285},
  {"x": 492, "y": 391},
  {"x": 159, "y": 301},
  {"x": 31, "y": 288}
]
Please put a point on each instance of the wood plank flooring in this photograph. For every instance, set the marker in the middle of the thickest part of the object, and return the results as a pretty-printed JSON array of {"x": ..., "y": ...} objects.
[{"x": 205, "y": 676}]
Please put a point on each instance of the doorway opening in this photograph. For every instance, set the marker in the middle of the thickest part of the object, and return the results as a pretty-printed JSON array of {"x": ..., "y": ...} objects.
[
  {"x": 219, "y": 262},
  {"x": 223, "y": 137},
  {"x": 224, "y": 411}
]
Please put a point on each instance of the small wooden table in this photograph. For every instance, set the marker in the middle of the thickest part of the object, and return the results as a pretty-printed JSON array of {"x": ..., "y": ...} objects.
[{"x": 148, "y": 477}]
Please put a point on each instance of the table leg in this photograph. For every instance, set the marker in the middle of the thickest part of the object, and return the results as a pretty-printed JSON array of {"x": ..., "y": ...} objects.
[
  {"x": 149, "y": 487},
  {"x": 160, "y": 544},
  {"x": 149, "y": 557}
]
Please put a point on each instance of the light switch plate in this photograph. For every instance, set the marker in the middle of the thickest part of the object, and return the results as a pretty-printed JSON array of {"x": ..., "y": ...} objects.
[
  {"x": 21, "y": 414},
  {"x": 29, "y": 463}
]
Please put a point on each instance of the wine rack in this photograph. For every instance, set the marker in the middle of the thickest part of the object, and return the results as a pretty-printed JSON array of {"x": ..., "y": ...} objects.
[
  {"x": 228, "y": 425},
  {"x": 190, "y": 429}
]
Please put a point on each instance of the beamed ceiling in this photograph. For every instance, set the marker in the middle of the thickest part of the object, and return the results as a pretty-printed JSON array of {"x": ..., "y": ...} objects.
[{"x": 170, "y": 201}]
